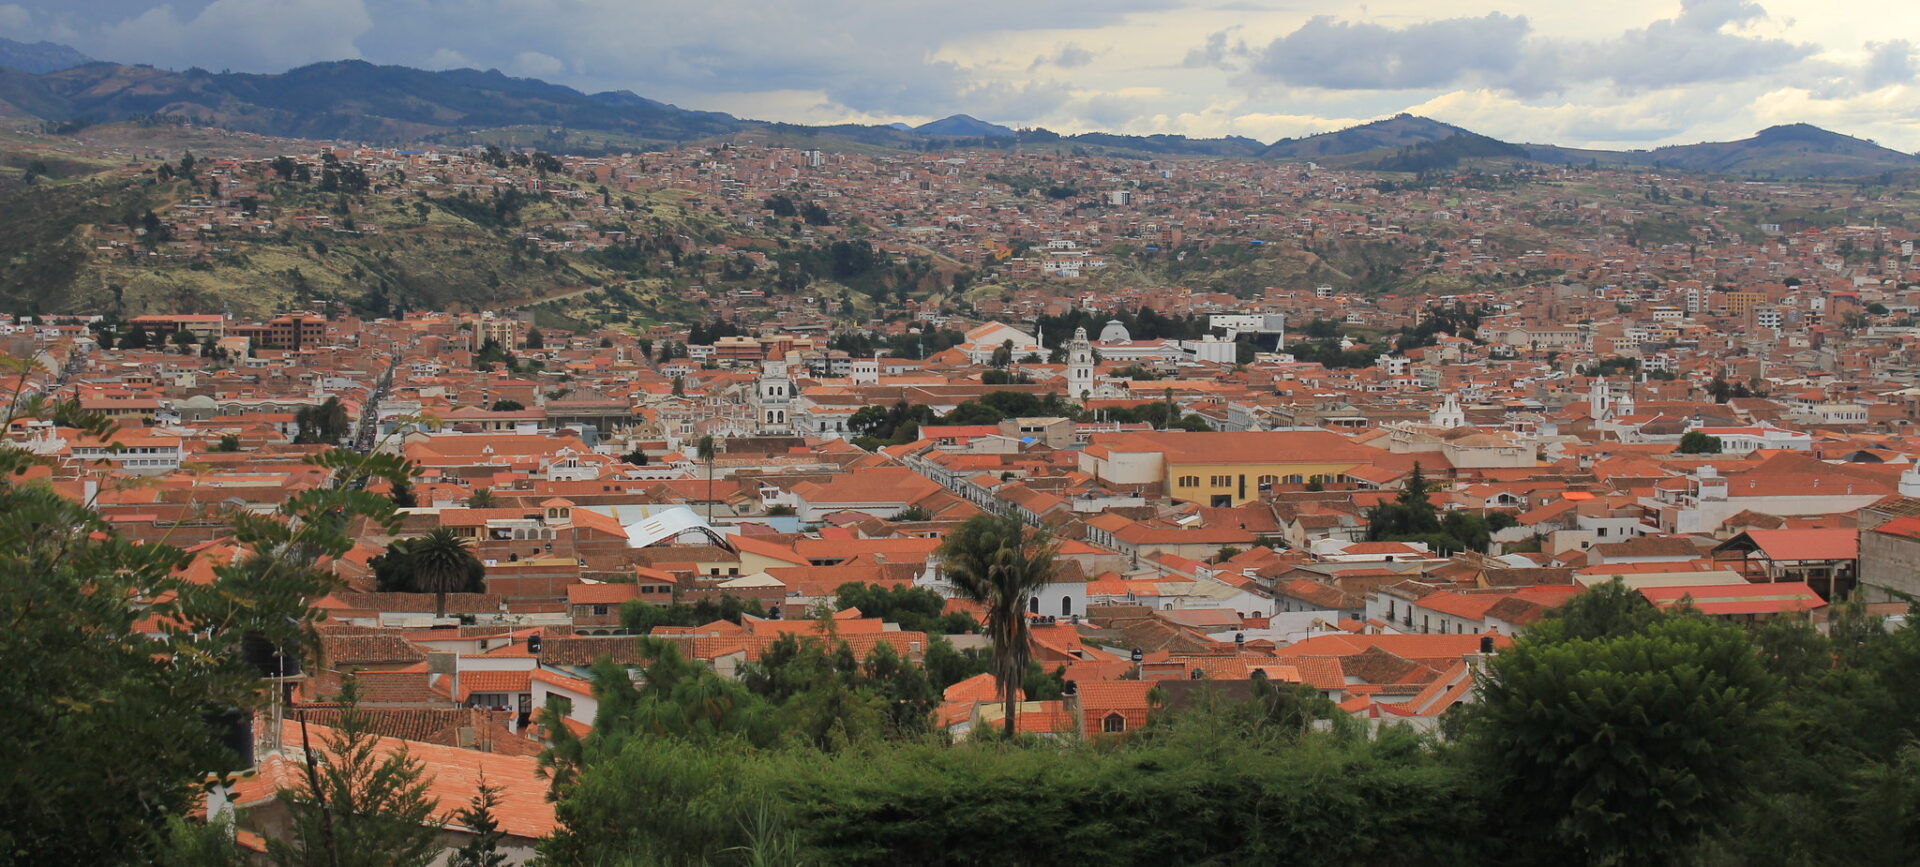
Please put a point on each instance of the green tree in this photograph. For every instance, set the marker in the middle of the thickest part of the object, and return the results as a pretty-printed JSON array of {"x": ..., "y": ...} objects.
[
  {"x": 1628, "y": 749},
  {"x": 357, "y": 804},
  {"x": 996, "y": 562},
  {"x": 483, "y": 850},
  {"x": 121, "y": 678},
  {"x": 507, "y": 405},
  {"x": 482, "y": 499},
  {"x": 706, "y": 450},
  {"x": 227, "y": 443},
  {"x": 326, "y": 423},
  {"x": 441, "y": 563},
  {"x": 1694, "y": 442}
]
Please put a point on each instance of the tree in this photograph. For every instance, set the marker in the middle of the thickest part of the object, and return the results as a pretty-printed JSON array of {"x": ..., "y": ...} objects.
[
  {"x": 1002, "y": 354},
  {"x": 477, "y": 817},
  {"x": 326, "y": 423},
  {"x": 1624, "y": 749},
  {"x": 227, "y": 443},
  {"x": 705, "y": 450},
  {"x": 1694, "y": 442},
  {"x": 441, "y": 563},
  {"x": 535, "y": 340},
  {"x": 121, "y": 680},
  {"x": 994, "y": 561},
  {"x": 482, "y": 499},
  {"x": 507, "y": 405},
  {"x": 357, "y": 804},
  {"x": 136, "y": 339},
  {"x": 183, "y": 339}
]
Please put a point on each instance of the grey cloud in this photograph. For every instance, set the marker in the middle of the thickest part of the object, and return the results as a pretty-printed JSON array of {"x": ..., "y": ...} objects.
[
  {"x": 1890, "y": 62},
  {"x": 866, "y": 56},
  {"x": 1688, "y": 49},
  {"x": 1068, "y": 56},
  {"x": 1215, "y": 52},
  {"x": 1501, "y": 51},
  {"x": 1348, "y": 55}
]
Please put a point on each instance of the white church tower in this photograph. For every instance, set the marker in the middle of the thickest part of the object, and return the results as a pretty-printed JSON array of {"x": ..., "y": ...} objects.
[
  {"x": 1079, "y": 366},
  {"x": 773, "y": 397},
  {"x": 1599, "y": 400},
  {"x": 1449, "y": 415}
]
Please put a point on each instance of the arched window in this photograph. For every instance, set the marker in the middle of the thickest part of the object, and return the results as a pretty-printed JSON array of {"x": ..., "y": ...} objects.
[
  {"x": 1294, "y": 479},
  {"x": 1114, "y": 723},
  {"x": 1033, "y": 604},
  {"x": 1066, "y": 606}
]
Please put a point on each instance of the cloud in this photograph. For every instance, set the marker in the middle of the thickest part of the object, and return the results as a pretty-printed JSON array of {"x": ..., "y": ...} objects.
[
  {"x": 1068, "y": 56},
  {"x": 1348, "y": 55},
  {"x": 1501, "y": 51},
  {"x": 533, "y": 64},
  {"x": 246, "y": 35},
  {"x": 1890, "y": 62},
  {"x": 14, "y": 18},
  {"x": 446, "y": 58},
  {"x": 1215, "y": 52}
]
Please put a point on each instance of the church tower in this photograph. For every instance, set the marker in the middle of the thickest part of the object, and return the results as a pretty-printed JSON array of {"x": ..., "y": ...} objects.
[
  {"x": 773, "y": 397},
  {"x": 1599, "y": 400},
  {"x": 1449, "y": 415},
  {"x": 1079, "y": 366}
]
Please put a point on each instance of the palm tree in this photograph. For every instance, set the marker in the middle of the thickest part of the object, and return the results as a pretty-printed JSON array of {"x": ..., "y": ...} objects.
[
  {"x": 481, "y": 499},
  {"x": 441, "y": 564},
  {"x": 996, "y": 562},
  {"x": 705, "y": 451}
]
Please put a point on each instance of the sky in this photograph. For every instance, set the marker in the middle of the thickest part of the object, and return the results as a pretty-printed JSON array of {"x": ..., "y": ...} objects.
[{"x": 1620, "y": 74}]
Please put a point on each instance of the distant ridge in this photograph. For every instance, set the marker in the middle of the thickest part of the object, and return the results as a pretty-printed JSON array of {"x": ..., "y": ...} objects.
[
  {"x": 39, "y": 58},
  {"x": 1401, "y": 130},
  {"x": 964, "y": 125},
  {"x": 1788, "y": 150},
  {"x": 360, "y": 101}
]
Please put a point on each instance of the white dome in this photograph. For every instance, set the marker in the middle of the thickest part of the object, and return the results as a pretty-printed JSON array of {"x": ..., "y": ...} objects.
[{"x": 1114, "y": 332}]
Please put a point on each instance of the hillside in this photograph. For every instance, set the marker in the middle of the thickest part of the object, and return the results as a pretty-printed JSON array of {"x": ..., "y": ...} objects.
[
  {"x": 1791, "y": 150},
  {"x": 1401, "y": 130},
  {"x": 1442, "y": 153},
  {"x": 348, "y": 100}
]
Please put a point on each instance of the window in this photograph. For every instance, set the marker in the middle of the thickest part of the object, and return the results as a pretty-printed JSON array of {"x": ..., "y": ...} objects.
[
  {"x": 1266, "y": 481},
  {"x": 1033, "y": 604},
  {"x": 1114, "y": 723},
  {"x": 599, "y": 610},
  {"x": 1294, "y": 479},
  {"x": 1066, "y": 606},
  {"x": 1221, "y": 481},
  {"x": 1189, "y": 481}
]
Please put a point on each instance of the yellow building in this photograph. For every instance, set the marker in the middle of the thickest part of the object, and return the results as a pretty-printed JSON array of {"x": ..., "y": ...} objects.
[
  {"x": 1222, "y": 468},
  {"x": 1738, "y": 303}
]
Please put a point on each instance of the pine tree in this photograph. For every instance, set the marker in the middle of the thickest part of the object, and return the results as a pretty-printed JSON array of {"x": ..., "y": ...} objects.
[
  {"x": 357, "y": 804},
  {"x": 477, "y": 817}
]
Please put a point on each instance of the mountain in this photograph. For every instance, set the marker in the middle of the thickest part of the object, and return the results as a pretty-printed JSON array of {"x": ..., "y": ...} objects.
[
  {"x": 349, "y": 99},
  {"x": 356, "y": 100},
  {"x": 1791, "y": 150},
  {"x": 39, "y": 57},
  {"x": 965, "y": 126},
  {"x": 1401, "y": 130},
  {"x": 1442, "y": 153}
]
